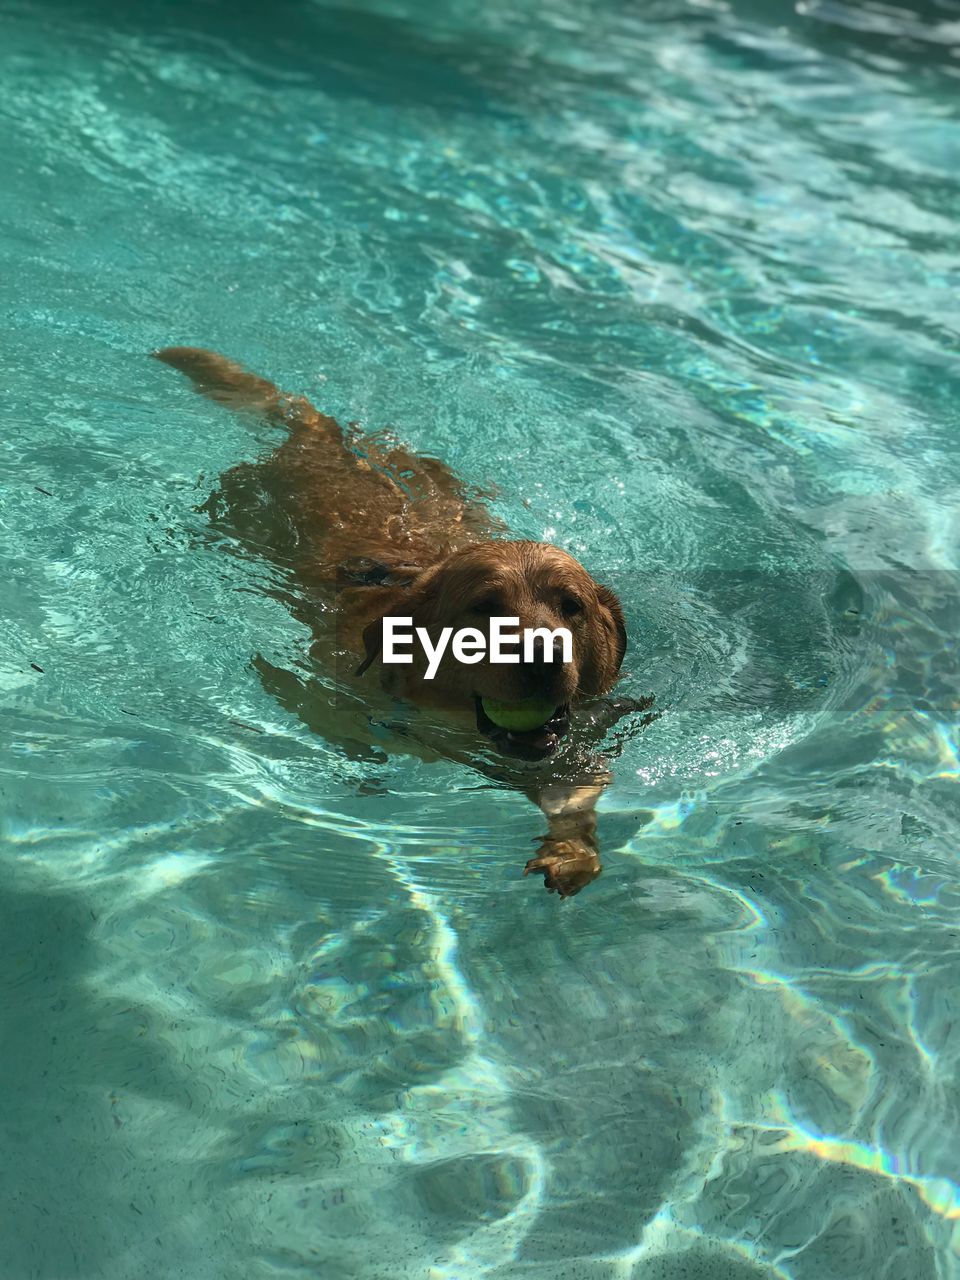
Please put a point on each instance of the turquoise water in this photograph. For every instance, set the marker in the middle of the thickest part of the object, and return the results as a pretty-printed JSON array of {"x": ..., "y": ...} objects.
[{"x": 682, "y": 280}]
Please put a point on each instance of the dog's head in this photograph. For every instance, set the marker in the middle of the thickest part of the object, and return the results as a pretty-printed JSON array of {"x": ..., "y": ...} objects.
[{"x": 545, "y": 589}]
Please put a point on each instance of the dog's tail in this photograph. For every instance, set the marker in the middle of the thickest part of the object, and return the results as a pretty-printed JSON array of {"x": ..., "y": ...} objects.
[{"x": 230, "y": 384}]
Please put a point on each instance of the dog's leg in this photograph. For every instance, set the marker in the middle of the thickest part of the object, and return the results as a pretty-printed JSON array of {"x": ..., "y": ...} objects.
[
  {"x": 230, "y": 384},
  {"x": 317, "y": 711},
  {"x": 568, "y": 857}
]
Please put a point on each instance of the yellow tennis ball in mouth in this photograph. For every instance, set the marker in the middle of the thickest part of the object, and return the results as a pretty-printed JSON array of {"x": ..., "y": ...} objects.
[{"x": 528, "y": 713}]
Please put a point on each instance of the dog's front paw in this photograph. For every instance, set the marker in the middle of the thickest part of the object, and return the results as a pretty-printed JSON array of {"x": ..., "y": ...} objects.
[{"x": 567, "y": 866}]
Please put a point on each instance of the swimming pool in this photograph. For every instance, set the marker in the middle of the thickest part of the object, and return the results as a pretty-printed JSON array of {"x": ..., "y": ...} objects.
[{"x": 682, "y": 281}]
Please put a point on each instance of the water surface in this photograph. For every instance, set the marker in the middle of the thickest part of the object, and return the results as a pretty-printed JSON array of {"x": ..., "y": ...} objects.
[{"x": 682, "y": 281}]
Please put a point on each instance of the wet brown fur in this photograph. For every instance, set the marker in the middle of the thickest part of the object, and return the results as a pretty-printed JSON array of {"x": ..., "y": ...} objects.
[{"x": 331, "y": 506}]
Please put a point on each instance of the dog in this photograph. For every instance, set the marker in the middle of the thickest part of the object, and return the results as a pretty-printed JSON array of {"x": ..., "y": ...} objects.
[{"x": 361, "y": 530}]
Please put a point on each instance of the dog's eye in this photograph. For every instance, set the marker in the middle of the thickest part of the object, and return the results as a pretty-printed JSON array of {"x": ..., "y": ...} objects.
[
  {"x": 570, "y": 606},
  {"x": 486, "y": 607}
]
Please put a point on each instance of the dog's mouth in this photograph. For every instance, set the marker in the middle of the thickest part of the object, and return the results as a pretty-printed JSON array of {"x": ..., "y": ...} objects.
[{"x": 526, "y": 744}]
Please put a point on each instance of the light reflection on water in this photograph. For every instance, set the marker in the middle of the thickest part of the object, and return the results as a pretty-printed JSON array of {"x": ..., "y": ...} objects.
[{"x": 683, "y": 284}]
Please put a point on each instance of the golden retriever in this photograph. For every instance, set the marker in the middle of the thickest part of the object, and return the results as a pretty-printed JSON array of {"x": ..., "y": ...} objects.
[{"x": 365, "y": 530}]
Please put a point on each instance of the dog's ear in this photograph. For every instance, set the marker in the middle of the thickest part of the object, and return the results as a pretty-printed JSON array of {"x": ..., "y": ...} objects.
[
  {"x": 608, "y": 644},
  {"x": 612, "y": 605},
  {"x": 372, "y": 644},
  {"x": 402, "y": 597}
]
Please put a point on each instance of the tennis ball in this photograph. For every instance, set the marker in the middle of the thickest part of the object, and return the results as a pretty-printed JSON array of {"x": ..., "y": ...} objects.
[{"x": 529, "y": 713}]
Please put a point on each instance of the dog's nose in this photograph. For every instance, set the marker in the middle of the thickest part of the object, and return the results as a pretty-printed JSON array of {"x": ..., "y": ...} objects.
[
  {"x": 541, "y": 654},
  {"x": 542, "y": 665}
]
